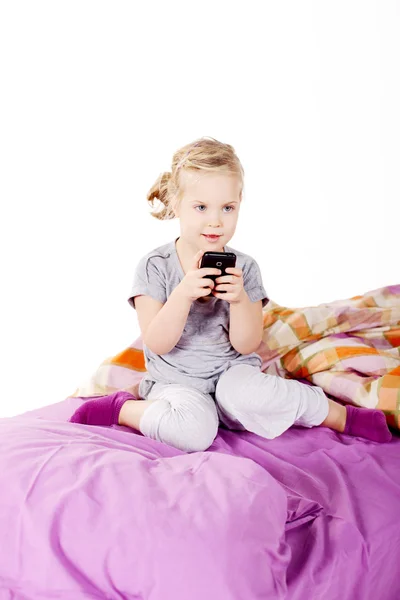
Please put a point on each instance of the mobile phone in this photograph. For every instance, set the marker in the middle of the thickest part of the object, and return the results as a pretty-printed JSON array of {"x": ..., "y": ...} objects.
[{"x": 218, "y": 260}]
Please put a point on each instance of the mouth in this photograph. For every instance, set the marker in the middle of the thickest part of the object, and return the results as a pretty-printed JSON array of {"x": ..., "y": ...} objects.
[{"x": 211, "y": 237}]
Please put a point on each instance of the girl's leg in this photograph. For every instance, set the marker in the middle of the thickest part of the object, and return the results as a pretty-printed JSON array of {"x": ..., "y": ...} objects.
[
  {"x": 362, "y": 422},
  {"x": 180, "y": 416},
  {"x": 132, "y": 411},
  {"x": 268, "y": 405},
  {"x": 101, "y": 410},
  {"x": 118, "y": 408},
  {"x": 336, "y": 418}
]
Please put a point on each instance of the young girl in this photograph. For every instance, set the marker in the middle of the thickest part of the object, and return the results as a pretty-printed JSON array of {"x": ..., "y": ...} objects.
[{"x": 200, "y": 339}]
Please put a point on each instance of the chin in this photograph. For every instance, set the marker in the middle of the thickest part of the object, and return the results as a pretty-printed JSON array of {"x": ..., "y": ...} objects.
[{"x": 217, "y": 246}]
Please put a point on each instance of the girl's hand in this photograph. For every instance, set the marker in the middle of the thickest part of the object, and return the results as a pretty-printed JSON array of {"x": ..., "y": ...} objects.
[
  {"x": 232, "y": 283},
  {"x": 195, "y": 283}
]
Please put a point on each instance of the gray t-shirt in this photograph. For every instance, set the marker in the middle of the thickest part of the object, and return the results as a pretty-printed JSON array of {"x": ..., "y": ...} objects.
[{"x": 204, "y": 351}]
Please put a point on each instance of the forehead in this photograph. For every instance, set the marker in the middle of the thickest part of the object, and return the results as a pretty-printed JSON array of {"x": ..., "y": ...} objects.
[{"x": 213, "y": 187}]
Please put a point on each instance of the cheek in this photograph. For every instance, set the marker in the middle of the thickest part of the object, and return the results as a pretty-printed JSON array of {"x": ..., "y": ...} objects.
[{"x": 231, "y": 219}]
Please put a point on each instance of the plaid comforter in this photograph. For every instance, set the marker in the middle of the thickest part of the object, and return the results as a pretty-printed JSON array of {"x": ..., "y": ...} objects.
[{"x": 350, "y": 348}]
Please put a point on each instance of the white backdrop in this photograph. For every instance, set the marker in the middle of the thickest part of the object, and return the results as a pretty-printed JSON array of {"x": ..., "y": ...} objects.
[{"x": 96, "y": 97}]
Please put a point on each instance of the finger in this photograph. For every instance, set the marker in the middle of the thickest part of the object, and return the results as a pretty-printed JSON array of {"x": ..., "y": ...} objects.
[
  {"x": 207, "y": 283},
  {"x": 207, "y": 271},
  {"x": 223, "y": 288},
  {"x": 233, "y": 270},
  {"x": 225, "y": 279},
  {"x": 196, "y": 259},
  {"x": 220, "y": 294}
]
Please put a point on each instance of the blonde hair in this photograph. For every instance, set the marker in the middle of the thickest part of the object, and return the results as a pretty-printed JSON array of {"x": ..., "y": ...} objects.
[{"x": 204, "y": 155}]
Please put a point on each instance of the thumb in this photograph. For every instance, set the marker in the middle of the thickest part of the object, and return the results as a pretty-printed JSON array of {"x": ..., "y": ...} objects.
[{"x": 196, "y": 259}]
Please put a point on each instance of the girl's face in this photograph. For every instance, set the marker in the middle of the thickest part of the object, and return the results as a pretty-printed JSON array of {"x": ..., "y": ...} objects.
[{"x": 210, "y": 205}]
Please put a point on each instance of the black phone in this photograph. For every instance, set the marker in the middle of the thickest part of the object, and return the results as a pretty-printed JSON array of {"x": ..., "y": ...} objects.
[{"x": 218, "y": 260}]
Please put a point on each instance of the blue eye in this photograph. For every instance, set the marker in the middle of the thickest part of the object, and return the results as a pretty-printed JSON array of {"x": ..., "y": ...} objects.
[{"x": 200, "y": 205}]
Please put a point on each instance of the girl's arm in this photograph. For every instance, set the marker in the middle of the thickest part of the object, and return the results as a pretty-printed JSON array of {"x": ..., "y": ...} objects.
[
  {"x": 165, "y": 330},
  {"x": 246, "y": 325}
]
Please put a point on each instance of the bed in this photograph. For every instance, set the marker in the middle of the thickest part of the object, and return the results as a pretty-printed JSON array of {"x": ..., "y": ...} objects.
[{"x": 104, "y": 513}]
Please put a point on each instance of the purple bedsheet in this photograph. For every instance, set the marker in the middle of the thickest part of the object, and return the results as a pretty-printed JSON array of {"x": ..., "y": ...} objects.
[{"x": 104, "y": 513}]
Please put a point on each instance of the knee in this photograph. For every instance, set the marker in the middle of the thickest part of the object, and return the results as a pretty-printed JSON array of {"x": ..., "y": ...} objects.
[
  {"x": 181, "y": 420},
  {"x": 235, "y": 388}
]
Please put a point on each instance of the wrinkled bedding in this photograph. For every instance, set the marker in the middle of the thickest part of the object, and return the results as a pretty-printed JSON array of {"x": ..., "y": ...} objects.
[
  {"x": 104, "y": 513},
  {"x": 95, "y": 512}
]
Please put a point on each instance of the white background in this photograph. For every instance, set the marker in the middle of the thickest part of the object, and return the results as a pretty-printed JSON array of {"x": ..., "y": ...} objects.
[{"x": 95, "y": 99}]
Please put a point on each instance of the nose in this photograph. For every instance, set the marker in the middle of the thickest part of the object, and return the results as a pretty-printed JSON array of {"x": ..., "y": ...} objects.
[{"x": 214, "y": 219}]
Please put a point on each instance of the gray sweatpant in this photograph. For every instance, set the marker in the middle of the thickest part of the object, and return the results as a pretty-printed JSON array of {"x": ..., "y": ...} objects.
[{"x": 245, "y": 398}]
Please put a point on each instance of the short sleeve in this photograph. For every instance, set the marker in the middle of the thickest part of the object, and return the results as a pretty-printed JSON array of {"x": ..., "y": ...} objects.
[
  {"x": 252, "y": 282},
  {"x": 148, "y": 280}
]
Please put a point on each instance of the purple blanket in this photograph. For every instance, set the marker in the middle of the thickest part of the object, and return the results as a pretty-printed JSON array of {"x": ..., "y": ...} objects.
[{"x": 104, "y": 513}]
